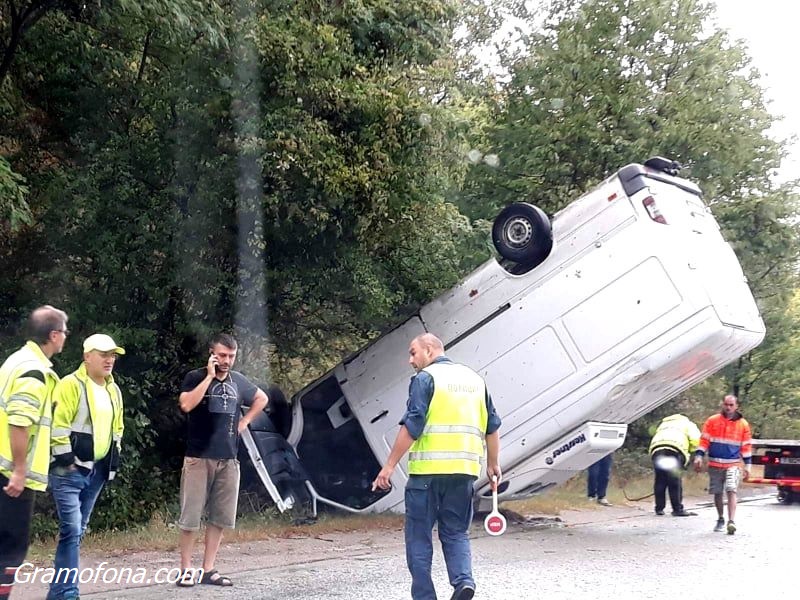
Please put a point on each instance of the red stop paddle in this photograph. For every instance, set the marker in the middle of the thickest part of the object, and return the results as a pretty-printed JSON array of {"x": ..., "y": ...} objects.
[{"x": 494, "y": 523}]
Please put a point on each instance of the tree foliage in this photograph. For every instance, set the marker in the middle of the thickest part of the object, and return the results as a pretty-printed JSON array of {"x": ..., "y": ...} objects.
[
  {"x": 292, "y": 168},
  {"x": 609, "y": 82},
  {"x": 308, "y": 173}
]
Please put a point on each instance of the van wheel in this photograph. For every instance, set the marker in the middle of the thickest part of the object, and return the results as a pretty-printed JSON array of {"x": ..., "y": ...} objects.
[{"x": 522, "y": 233}]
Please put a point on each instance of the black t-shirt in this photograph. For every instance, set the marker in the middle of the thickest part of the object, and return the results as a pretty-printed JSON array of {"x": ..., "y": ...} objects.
[{"x": 213, "y": 424}]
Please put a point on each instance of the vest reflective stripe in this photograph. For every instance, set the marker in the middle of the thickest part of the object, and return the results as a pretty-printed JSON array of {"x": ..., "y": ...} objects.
[
  {"x": 453, "y": 429},
  {"x": 677, "y": 433},
  {"x": 61, "y": 449},
  {"x": 31, "y": 475},
  {"x": 732, "y": 442},
  {"x": 26, "y": 385},
  {"x": 26, "y": 399},
  {"x": 75, "y": 435},
  {"x": 446, "y": 456},
  {"x": 82, "y": 423},
  {"x": 29, "y": 362},
  {"x": 452, "y": 441}
]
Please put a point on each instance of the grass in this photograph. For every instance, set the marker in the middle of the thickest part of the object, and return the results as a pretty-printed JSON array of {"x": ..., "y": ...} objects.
[
  {"x": 572, "y": 494},
  {"x": 161, "y": 535}
]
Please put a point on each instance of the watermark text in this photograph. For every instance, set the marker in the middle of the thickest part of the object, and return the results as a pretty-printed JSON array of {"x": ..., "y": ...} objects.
[{"x": 102, "y": 573}]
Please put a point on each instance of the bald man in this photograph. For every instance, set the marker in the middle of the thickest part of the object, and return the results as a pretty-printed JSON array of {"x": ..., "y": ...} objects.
[
  {"x": 448, "y": 421},
  {"x": 27, "y": 381},
  {"x": 726, "y": 439}
]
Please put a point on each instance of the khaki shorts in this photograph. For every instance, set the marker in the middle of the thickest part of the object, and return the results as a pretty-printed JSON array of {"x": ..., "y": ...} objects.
[
  {"x": 209, "y": 485},
  {"x": 723, "y": 480}
]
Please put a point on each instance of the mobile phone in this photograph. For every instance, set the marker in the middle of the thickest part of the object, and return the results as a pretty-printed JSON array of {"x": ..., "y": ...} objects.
[{"x": 216, "y": 363}]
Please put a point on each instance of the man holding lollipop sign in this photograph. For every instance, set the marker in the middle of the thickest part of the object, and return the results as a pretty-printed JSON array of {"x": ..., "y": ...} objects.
[{"x": 448, "y": 417}]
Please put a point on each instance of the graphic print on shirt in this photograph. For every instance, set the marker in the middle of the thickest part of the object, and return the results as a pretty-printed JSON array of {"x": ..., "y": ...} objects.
[{"x": 223, "y": 399}]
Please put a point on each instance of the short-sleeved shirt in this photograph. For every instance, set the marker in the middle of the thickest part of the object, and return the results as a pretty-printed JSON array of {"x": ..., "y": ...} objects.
[{"x": 214, "y": 422}]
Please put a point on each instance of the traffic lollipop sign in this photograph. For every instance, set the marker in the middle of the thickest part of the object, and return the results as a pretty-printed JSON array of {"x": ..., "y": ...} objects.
[{"x": 494, "y": 523}]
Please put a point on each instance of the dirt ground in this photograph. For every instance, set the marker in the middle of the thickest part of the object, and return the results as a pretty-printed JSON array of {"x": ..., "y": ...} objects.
[{"x": 302, "y": 550}]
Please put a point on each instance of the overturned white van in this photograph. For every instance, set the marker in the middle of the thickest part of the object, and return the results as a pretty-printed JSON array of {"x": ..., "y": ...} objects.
[{"x": 631, "y": 297}]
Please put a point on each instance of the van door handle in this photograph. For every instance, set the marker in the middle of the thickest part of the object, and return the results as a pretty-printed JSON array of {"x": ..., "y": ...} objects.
[{"x": 379, "y": 416}]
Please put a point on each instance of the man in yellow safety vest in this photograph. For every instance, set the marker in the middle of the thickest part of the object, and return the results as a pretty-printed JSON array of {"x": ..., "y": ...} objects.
[
  {"x": 674, "y": 442},
  {"x": 448, "y": 419},
  {"x": 27, "y": 381}
]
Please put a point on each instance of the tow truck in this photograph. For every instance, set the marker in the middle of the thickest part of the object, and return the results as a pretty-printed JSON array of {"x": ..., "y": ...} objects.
[{"x": 778, "y": 462}]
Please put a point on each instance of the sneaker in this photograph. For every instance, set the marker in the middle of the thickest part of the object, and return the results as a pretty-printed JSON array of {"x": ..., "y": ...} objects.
[
  {"x": 731, "y": 527},
  {"x": 683, "y": 513},
  {"x": 720, "y": 525},
  {"x": 660, "y": 513},
  {"x": 463, "y": 592},
  {"x": 603, "y": 502}
]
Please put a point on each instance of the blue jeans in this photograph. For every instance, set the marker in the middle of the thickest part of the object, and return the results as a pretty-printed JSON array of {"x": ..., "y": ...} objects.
[
  {"x": 599, "y": 474},
  {"x": 446, "y": 500},
  {"x": 75, "y": 493}
]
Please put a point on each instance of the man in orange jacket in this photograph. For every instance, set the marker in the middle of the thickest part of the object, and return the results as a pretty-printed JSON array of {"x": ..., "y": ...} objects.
[{"x": 726, "y": 440}]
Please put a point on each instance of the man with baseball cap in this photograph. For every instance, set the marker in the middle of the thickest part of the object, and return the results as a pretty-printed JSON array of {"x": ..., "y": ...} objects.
[{"x": 85, "y": 444}]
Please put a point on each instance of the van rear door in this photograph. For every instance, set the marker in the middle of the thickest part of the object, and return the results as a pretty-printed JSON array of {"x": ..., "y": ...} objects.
[{"x": 713, "y": 259}]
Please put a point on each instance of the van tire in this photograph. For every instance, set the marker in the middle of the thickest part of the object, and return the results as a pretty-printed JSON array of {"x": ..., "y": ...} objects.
[{"x": 522, "y": 233}]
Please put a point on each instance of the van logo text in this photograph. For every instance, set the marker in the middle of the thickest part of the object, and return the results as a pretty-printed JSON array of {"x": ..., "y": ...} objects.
[{"x": 566, "y": 447}]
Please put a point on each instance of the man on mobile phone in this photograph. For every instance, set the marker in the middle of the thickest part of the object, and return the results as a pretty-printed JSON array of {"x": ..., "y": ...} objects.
[{"x": 212, "y": 397}]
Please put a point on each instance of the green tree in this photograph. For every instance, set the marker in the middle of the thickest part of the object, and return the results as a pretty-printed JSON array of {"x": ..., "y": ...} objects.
[
  {"x": 604, "y": 83},
  {"x": 300, "y": 172},
  {"x": 349, "y": 152},
  {"x": 14, "y": 210}
]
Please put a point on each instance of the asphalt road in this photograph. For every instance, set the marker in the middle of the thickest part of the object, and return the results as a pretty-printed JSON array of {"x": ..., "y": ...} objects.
[{"x": 617, "y": 553}]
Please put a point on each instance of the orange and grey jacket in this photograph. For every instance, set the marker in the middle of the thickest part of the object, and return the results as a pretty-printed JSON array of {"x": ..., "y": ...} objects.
[{"x": 726, "y": 441}]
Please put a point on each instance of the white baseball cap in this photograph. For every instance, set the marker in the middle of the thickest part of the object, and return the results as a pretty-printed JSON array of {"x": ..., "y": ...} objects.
[{"x": 102, "y": 343}]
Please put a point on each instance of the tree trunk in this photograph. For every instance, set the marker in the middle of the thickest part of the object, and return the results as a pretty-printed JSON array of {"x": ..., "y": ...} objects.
[
  {"x": 11, "y": 47},
  {"x": 22, "y": 20}
]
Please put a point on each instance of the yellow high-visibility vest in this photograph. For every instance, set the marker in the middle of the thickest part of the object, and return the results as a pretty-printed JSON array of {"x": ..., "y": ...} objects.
[
  {"x": 678, "y": 433},
  {"x": 75, "y": 436},
  {"x": 455, "y": 427},
  {"x": 27, "y": 381}
]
